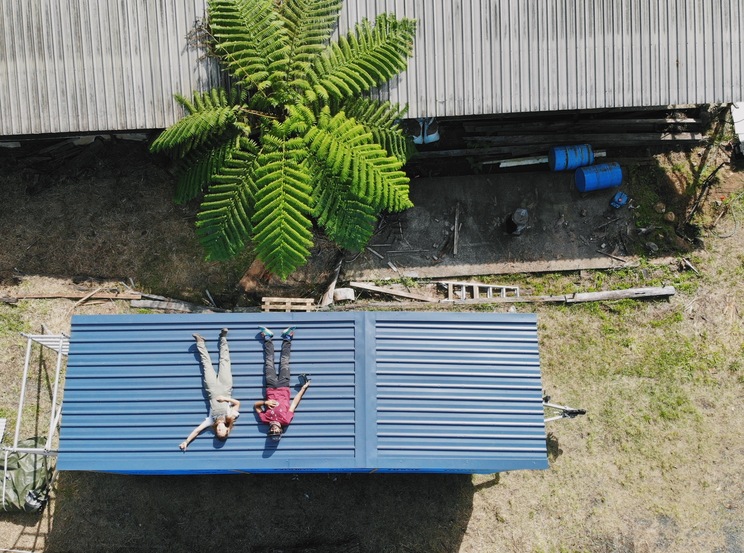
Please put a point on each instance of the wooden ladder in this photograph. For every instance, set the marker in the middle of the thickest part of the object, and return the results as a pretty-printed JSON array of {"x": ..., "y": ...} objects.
[{"x": 477, "y": 290}]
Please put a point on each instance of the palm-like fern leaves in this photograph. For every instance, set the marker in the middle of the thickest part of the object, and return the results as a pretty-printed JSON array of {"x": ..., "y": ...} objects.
[
  {"x": 296, "y": 141},
  {"x": 309, "y": 24},
  {"x": 367, "y": 57},
  {"x": 224, "y": 220},
  {"x": 283, "y": 203},
  {"x": 381, "y": 119},
  {"x": 349, "y": 153},
  {"x": 210, "y": 115},
  {"x": 250, "y": 40}
]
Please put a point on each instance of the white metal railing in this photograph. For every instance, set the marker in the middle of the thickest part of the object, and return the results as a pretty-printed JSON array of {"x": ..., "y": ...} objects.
[{"x": 60, "y": 343}]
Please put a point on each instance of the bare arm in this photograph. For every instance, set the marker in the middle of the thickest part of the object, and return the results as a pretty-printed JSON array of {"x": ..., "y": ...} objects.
[
  {"x": 270, "y": 403},
  {"x": 298, "y": 397},
  {"x": 234, "y": 403},
  {"x": 194, "y": 433}
]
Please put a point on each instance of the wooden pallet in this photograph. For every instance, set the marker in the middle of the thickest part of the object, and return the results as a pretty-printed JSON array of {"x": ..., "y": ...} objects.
[
  {"x": 476, "y": 290},
  {"x": 287, "y": 304}
]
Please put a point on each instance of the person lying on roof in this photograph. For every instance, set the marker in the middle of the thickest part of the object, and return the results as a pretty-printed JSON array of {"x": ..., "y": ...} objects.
[
  {"x": 224, "y": 410},
  {"x": 276, "y": 410}
]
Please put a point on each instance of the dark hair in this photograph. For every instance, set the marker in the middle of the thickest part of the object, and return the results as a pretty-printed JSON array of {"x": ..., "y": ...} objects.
[{"x": 228, "y": 427}]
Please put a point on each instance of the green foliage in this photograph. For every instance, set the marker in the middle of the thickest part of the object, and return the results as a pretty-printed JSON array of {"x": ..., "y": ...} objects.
[
  {"x": 294, "y": 141},
  {"x": 11, "y": 322}
]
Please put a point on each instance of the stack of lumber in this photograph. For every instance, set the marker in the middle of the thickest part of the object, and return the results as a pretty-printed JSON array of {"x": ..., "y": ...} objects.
[{"x": 508, "y": 137}]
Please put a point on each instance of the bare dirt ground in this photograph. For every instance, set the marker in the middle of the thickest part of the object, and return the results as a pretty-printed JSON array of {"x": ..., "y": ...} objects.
[{"x": 655, "y": 466}]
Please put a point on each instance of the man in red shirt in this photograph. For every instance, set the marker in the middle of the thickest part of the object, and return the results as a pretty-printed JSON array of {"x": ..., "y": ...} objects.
[{"x": 276, "y": 410}]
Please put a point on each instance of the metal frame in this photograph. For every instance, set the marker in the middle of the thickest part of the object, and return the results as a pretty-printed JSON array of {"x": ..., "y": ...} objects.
[
  {"x": 560, "y": 411},
  {"x": 61, "y": 344}
]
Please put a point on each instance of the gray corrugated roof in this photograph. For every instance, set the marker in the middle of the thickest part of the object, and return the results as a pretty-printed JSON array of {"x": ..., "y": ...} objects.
[
  {"x": 85, "y": 65},
  {"x": 436, "y": 392}
]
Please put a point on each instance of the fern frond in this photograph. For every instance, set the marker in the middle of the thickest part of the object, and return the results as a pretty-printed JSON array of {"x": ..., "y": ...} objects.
[
  {"x": 347, "y": 151},
  {"x": 224, "y": 220},
  {"x": 206, "y": 121},
  {"x": 251, "y": 41},
  {"x": 309, "y": 24},
  {"x": 366, "y": 57},
  {"x": 382, "y": 120},
  {"x": 283, "y": 206},
  {"x": 346, "y": 220},
  {"x": 200, "y": 166}
]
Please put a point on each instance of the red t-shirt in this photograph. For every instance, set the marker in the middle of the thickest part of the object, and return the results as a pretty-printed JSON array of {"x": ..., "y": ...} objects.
[{"x": 280, "y": 413}]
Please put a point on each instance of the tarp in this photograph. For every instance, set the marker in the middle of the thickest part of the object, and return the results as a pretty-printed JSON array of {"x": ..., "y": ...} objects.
[{"x": 27, "y": 478}]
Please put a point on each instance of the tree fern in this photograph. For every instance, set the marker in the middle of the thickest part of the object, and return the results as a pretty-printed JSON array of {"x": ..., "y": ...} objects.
[{"x": 296, "y": 142}]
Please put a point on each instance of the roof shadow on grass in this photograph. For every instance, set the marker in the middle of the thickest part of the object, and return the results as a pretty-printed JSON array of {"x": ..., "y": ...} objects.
[{"x": 381, "y": 512}]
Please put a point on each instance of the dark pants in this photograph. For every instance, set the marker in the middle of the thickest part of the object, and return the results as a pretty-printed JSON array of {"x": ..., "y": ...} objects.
[{"x": 274, "y": 380}]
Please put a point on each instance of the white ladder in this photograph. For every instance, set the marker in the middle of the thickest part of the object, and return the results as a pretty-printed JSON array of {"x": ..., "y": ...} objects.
[{"x": 457, "y": 290}]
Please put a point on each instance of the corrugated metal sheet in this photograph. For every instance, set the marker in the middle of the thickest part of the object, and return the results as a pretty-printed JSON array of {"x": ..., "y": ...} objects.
[
  {"x": 477, "y": 57},
  {"x": 89, "y": 65},
  {"x": 443, "y": 392}
]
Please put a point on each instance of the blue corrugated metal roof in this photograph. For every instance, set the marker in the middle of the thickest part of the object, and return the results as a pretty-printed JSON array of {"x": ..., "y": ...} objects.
[{"x": 416, "y": 392}]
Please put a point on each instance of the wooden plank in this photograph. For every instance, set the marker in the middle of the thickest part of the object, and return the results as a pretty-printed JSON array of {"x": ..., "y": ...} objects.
[
  {"x": 172, "y": 305},
  {"x": 74, "y": 296},
  {"x": 287, "y": 304},
  {"x": 630, "y": 293},
  {"x": 532, "y": 160},
  {"x": 593, "y": 139},
  {"x": 381, "y": 290},
  {"x": 580, "y": 124}
]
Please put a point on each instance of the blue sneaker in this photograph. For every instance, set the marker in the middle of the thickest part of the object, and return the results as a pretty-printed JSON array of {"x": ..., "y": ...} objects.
[
  {"x": 266, "y": 333},
  {"x": 288, "y": 333}
]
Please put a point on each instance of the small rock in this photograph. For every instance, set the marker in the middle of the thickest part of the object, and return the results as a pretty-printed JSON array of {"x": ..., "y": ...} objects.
[
  {"x": 660, "y": 207},
  {"x": 343, "y": 294},
  {"x": 582, "y": 212},
  {"x": 652, "y": 246},
  {"x": 670, "y": 217}
]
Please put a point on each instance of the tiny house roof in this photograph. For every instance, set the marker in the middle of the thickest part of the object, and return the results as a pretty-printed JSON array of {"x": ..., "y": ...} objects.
[{"x": 391, "y": 391}]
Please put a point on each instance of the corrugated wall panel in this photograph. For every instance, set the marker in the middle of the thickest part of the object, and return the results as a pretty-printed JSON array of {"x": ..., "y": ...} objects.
[
  {"x": 515, "y": 56},
  {"x": 89, "y": 65},
  {"x": 391, "y": 391}
]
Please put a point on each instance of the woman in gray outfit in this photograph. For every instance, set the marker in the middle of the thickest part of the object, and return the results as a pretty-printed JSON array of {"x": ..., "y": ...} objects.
[{"x": 224, "y": 410}]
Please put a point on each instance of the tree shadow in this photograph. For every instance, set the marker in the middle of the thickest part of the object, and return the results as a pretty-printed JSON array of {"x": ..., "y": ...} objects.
[
  {"x": 554, "y": 450},
  {"x": 381, "y": 512}
]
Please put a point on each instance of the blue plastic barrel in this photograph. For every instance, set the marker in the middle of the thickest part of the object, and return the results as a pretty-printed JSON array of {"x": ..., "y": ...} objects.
[
  {"x": 597, "y": 177},
  {"x": 566, "y": 158}
]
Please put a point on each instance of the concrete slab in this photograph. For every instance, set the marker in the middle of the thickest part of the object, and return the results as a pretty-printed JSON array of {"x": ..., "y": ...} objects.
[{"x": 565, "y": 229}]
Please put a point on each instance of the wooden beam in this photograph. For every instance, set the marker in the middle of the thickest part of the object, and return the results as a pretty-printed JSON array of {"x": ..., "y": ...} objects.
[
  {"x": 624, "y": 139},
  {"x": 629, "y": 293},
  {"x": 73, "y": 296},
  {"x": 381, "y": 290}
]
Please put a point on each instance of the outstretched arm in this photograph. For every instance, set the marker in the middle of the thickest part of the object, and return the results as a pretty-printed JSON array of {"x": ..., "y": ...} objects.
[
  {"x": 194, "y": 433},
  {"x": 298, "y": 397}
]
